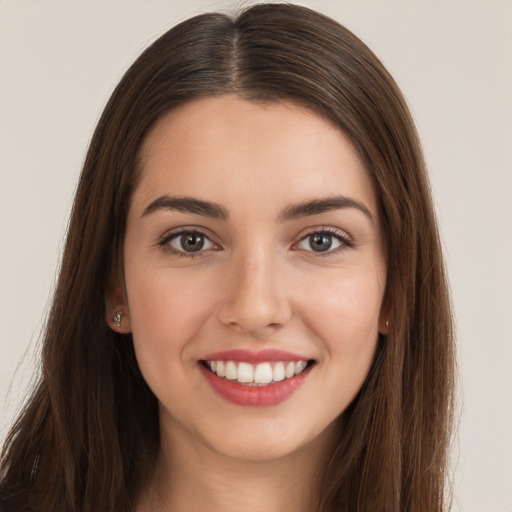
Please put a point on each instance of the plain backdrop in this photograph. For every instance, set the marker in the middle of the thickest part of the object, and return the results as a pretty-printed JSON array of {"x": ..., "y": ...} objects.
[{"x": 59, "y": 61}]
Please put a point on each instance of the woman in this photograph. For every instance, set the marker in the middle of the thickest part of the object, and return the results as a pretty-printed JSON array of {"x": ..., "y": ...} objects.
[{"x": 252, "y": 310}]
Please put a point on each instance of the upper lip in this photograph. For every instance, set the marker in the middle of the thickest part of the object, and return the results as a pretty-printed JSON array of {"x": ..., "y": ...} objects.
[{"x": 254, "y": 356}]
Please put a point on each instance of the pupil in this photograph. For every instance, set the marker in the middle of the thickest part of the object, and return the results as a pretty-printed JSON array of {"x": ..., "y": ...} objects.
[
  {"x": 320, "y": 243},
  {"x": 192, "y": 242}
]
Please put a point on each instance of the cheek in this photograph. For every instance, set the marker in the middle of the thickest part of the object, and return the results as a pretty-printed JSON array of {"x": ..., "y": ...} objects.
[
  {"x": 346, "y": 313},
  {"x": 166, "y": 310},
  {"x": 346, "y": 324}
]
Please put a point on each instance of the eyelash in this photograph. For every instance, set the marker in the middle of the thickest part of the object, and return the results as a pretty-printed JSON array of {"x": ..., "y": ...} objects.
[
  {"x": 342, "y": 237},
  {"x": 165, "y": 242}
]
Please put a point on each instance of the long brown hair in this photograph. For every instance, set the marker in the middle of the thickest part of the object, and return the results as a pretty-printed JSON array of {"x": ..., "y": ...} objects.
[{"x": 88, "y": 435}]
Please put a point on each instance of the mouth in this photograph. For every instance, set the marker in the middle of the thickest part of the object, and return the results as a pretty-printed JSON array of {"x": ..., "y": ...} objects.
[
  {"x": 258, "y": 383},
  {"x": 265, "y": 373}
]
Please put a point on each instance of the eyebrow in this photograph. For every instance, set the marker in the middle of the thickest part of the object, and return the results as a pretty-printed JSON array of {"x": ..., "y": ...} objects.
[
  {"x": 292, "y": 212},
  {"x": 187, "y": 205},
  {"x": 327, "y": 204}
]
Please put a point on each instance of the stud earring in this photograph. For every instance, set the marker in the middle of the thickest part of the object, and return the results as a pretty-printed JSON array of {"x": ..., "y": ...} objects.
[
  {"x": 387, "y": 323},
  {"x": 117, "y": 318}
]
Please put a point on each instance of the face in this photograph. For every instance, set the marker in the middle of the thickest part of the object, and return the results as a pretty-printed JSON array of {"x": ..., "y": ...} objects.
[{"x": 254, "y": 275}]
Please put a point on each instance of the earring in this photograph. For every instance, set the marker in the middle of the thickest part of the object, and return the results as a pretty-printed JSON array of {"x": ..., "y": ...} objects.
[
  {"x": 387, "y": 323},
  {"x": 117, "y": 318}
]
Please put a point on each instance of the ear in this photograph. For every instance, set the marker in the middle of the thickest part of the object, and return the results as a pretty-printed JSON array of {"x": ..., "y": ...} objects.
[
  {"x": 117, "y": 312},
  {"x": 384, "y": 318},
  {"x": 384, "y": 324}
]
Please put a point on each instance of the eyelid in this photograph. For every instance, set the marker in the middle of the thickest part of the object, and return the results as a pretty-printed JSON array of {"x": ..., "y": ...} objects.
[
  {"x": 342, "y": 236},
  {"x": 171, "y": 234},
  {"x": 346, "y": 241}
]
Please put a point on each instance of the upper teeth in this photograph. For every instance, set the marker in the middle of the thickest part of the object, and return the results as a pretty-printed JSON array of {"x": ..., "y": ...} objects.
[{"x": 262, "y": 373}]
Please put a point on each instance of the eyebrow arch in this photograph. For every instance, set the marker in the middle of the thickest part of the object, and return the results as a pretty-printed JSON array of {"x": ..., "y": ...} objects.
[
  {"x": 317, "y": 206},
  {"x": 187, "y": 205}
]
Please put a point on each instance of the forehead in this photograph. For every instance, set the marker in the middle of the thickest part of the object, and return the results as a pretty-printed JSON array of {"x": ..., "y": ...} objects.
[{"x": 219, "y": 146}]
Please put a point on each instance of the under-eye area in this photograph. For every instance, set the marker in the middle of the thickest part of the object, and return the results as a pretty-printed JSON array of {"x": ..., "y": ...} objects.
[{"x": 260, "y": 374}]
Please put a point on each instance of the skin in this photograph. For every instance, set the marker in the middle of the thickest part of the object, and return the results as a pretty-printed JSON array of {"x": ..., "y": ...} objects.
[{"x": 257, "y": 283}]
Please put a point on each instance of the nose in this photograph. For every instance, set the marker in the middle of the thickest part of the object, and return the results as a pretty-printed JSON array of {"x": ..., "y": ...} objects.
[{"x": 255, "y": 296}]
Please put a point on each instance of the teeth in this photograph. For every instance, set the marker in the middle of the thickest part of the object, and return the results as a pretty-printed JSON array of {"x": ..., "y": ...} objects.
[
  {"x": 260, "y": 374},
  {"x": 221, "y": 369},
  {"x": 231, "y": 371},
  {"x": 245, "y": 372},
  {"x": 290, "y": 370},
  {"x": 263, "y": 373},
  {"x": 278, "y": 373},
  {"x": 299, "y": 367}
]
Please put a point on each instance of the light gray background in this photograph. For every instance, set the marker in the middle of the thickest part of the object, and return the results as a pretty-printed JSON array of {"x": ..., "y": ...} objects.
[{"x": 59, "y": 60}]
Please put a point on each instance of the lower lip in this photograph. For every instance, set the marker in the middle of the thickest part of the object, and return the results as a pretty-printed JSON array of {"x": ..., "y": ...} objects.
[{"x": 239, "y": 394}]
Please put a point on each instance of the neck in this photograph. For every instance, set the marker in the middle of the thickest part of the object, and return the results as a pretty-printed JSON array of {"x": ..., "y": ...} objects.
[{"x": 191, "y": 477}]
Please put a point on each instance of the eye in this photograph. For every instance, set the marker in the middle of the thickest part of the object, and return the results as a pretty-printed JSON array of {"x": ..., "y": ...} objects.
[
  {"x": 187, "y": 243},
  {"x": 324, "y": 241}
]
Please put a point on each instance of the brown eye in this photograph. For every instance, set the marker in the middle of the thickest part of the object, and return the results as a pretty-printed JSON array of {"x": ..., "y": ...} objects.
[
  {"x": 188, "y": 243},
  {"x": 191, "y": 242},
  {"x": 320, "y": 242},
  {"x": 324, "y": 242}
]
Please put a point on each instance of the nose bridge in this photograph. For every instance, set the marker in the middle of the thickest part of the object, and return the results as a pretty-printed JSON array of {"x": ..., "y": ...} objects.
[{"x": 254, "y": 301}]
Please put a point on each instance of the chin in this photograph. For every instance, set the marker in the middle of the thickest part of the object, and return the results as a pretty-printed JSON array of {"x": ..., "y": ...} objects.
[{"x": 268, "y": 440}]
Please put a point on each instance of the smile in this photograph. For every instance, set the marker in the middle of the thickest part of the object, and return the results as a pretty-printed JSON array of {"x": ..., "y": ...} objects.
[
  {"x": 261, "y": 374},
  {"x": 263, "y": 378}
]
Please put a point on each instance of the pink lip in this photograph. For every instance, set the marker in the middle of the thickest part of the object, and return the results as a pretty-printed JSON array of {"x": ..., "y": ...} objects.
[
  {"x": 254, "y": 357},
  {"x": 239, "y": 394}
]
